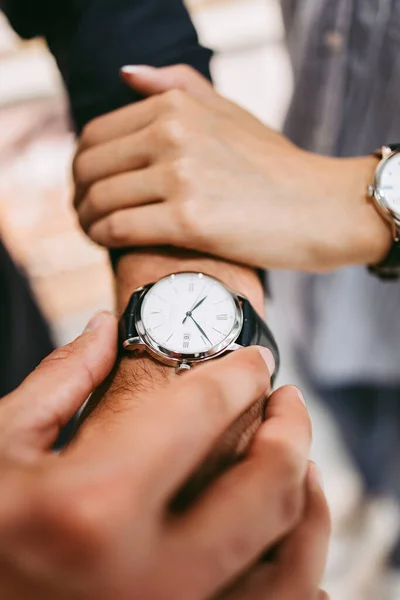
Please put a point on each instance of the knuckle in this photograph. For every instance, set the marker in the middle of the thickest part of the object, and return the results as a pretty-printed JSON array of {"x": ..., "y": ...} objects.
[
  {"x": 175, "y": 99},
  {"x": 95, "y": 197},
  {"x": 172, "y": 132},
  {"x": 62, "y": 354},
  {"x": 78, "y": 519},
  {"x": 181, "y": 174},
  {"x": 80, "y": 168},
  {"x": 90, "y": 133},
  {"x": 115, "y": 230}
]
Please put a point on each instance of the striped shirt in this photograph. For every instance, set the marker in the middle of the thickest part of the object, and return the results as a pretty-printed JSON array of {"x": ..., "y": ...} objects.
[{"x": 346, "y": 60}]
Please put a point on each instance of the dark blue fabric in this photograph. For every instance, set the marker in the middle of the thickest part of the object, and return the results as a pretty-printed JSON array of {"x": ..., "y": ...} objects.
[{"x": 92, "y": 39}]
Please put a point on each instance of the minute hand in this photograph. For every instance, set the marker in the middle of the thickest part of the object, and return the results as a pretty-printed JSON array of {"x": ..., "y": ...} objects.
[{"x": 201, "y": 330}]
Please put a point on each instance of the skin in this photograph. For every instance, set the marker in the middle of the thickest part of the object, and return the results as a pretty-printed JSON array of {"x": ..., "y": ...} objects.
[
  {"x": 179, "y": 167},
  {"x": 75, "y": 525},
  {"x": 135, "y": 376}
]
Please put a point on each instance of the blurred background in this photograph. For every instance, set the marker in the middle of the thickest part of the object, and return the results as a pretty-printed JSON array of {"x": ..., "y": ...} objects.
[{"x": 71, "y": 276}]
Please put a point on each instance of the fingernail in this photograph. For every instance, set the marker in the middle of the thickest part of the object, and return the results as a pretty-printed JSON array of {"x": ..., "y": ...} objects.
[
  {"x": 136, "y": 69},
  {"x": 97, "y": 320},
  {"x": 268, "y": 359},
  {"x": 315, "y": 475},
  {"x": 300, "y": 395}
]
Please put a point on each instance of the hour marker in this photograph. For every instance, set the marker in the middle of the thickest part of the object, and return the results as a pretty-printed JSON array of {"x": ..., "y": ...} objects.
[
  {"x": 219, "y": 301},
  {"x": 186, "y": 340},
  {"x": 191, "y": 287},
  {"x": 159, "y": 297},
  {"x": 167, "y": 340},
  {"x": 222, "y": 317},
  {"x": 156, "y": 312},
  {"x": 217, "y": 330},
  {"x": 157, "y": 326},
  {"x": 204, "y": 340}
]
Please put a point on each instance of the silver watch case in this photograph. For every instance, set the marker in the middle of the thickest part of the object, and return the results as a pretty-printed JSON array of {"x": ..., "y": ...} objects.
[
  {"x": 182, "y": 362},
  {"x": 376, "y": 193}
]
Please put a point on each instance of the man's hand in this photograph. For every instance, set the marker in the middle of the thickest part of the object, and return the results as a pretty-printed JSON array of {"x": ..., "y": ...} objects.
[
  {"x": 299, "y": 562},
  {"x": 100, "y": 520},
  {"x": 188, "y": 168}
]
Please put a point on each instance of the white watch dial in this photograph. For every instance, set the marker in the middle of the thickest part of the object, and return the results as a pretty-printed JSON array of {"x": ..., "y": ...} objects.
[
  {"x": 389, "y": 185},
  {"x": 189, "y": 313}
]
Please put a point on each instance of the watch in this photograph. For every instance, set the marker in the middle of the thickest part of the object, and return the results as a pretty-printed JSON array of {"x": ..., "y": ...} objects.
[
  {"x": 188, "y": 318},
  {"x": 385, "y": 191}
]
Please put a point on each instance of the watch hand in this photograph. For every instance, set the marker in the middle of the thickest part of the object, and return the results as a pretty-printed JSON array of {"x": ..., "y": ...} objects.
[
  {"x": 189, "y": 313},
  {"x": 198, "y": 304},
  {"x": 201, "y": 330}
]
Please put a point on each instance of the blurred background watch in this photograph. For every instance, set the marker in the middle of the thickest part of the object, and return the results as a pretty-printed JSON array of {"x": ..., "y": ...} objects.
[{"x": 385, "y": 192}]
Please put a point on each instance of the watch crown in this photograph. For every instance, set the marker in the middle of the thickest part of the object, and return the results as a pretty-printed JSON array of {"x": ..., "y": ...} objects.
[
  {"x": 371, "y": 191},
  {"x": 182, "y": 367}
]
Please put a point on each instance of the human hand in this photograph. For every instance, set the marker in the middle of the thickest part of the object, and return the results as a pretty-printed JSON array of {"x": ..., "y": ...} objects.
[
  {"x": 187, "y": 167},
  {"x": 296, "y": 569},
  {"x": 96, "y": 521}
]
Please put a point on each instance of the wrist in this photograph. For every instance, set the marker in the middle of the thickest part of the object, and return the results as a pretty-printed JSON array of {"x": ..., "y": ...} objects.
[
  {"x": 144, "y": 266},
  {"x": 348, "y": 226},
  {"x": 373, "y": 234}
]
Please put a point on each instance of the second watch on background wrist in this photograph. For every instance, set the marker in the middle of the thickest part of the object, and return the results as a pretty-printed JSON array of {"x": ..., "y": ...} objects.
[{"x": 385, "y": 192}]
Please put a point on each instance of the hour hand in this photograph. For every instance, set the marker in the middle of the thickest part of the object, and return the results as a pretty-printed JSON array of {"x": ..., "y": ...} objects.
[
  {"x": 189, "y": 313},
  {"x": 199, "y": 303}
]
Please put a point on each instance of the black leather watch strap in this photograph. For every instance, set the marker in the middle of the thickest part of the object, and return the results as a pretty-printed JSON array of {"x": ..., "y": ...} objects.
[
  {"x": 389, "y": 268},
  {"x": 255, "y": 332},
  {"x": 127, "y": 323}
]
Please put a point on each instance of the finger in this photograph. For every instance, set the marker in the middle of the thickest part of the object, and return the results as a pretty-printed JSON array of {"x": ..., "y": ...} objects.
[
  {"x": 106, "y": 160},
  {"x": 302, "y": 557},
  {"x": 150, "y": 80},
  {"x": 121, "y": 122},
  {"x": 51, "y": 395},
  {"x": 121, "y": 192},
  {"x": 150, "y": 225},
  {"x": 260, "y": 500},
  {"x": 181, "y": 430}
]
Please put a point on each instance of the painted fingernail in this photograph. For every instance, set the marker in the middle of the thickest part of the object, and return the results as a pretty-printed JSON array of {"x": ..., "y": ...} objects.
[
  {"x": 315, "y": 475},
  {"x": 97, "y": 320},
  {"x": 136, "y": 69},
  {"x": 269, "y": 359}
]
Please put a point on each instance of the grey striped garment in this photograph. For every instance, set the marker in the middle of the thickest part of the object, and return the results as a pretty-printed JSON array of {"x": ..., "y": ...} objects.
[{"x": 346, "y": 59}]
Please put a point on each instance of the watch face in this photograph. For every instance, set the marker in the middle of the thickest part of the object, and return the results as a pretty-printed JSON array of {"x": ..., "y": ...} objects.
[
  {"x": 190, "y": 314},
  {"x": 389, "y": 183}
]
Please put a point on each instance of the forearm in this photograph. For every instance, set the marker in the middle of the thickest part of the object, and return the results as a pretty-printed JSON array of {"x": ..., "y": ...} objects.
[{"x": 134, "y": 374}]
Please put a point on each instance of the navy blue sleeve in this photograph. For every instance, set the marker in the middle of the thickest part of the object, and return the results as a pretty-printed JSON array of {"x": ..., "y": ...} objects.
[{"x": 92, "y": 39}]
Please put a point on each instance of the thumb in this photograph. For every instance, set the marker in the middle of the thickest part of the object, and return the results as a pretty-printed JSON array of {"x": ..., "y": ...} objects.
[
  {"x": 32, "y": 416},
  {"x": 151, "y": 80}
]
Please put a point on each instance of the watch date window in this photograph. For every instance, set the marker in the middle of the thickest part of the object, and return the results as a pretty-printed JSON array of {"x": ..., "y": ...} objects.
[
  {"x": 189, "y": 313},
  {"x": 390, "y": 183}
]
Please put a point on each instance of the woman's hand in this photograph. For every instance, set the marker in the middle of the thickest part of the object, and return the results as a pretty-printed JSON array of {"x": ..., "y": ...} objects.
[
  {"x": 96, "y": 521},
  {"x": 188, "y": 168}
]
